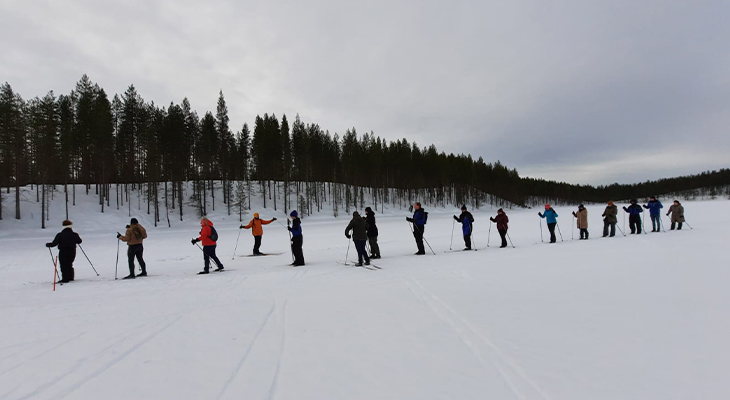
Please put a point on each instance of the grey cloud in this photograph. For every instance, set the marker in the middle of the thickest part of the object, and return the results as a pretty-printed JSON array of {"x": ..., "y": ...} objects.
[{"x": 568, "y": 90}]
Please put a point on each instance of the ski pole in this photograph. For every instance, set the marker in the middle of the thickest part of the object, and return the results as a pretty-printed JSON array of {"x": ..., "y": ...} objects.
[
  {"x": 87, "y": 259},
  {"x": 690, "y": 226},
  {"x": 489, "y": 236},
  {"x": 473, "y": 242},
  {"x": 619, "y": 229},
  {"x": 453, "y": 223},
  {"x": 55, "y": 266},
  {"x": 429, "y": 245},
  {"x": 541, "y": 231},
  {"x": 510, "y": 240},
  {"x": 291, "y": 240},
  {"x": 236, "y": 248},
  {"x": 572, "y": 230},
  {"x": 643, "y": 227},
  {"x": 116, "y": 267},
  {"x": 347, "y": 254},
  {"x": 561, "y": 233},
  {"x": 201, "y": 249},
  {"x": 624, "y": 222}
]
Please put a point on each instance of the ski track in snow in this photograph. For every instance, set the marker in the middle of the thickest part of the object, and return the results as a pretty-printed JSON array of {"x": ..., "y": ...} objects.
[
  {"x": 136, "y": 346},
  {"x": 244, "y": 356}
]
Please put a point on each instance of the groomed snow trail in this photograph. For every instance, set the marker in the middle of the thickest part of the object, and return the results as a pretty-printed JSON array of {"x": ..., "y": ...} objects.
[{"x": 636, "y": 317}]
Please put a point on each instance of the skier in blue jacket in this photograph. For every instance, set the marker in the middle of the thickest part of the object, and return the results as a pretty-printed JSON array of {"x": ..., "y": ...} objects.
[
  {"x": 552, "y": 220},
  {"x": 466, "y": 220},
  {"x": 419, "y": 226},
  {"x": 654, "y": 206}
]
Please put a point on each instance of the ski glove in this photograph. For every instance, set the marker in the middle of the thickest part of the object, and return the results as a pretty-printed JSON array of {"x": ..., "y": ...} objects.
[
  {"x": 492, "y": 219},
  {"x": 273, "y": 219},
  {"x": 194, "y": 241},
  {"x": 539, "y": 213},
  {"x": 625, "y": 209},
  {"x": 348, "y": 235},
  {"x": 49, "y": 244},
  {"x": 574, "y": 214},
  {"x": 409, "y": 219},
  {"x": 119, "y": 235},
  {"x": 457, "y": 219}
]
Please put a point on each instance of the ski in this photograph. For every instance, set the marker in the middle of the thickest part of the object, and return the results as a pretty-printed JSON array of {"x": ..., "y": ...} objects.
[
  {"x": 370, "y": 267},
  {"x": 458, "y": 251},
  {"x": 262, "y": 255}
]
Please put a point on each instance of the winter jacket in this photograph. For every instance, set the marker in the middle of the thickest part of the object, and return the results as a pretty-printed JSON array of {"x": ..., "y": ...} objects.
[
  {"x": 550, "y": 215},
  {"x": 296, "y": 227},
  {"x": 610, "y": 214},
  {"x": 501, "y": 220},
  {"x": 466, "y": 219},
  {"x": 134, "y": 235},
  {"x": 372, "y": 228},
  {"x": 359, "y": 228},
  {"x": 677, "y": 212},
  {"x": 257, "y": 223},
  {"x": 419, "y": 217},
  {"x": 205, "y": 233},
  {"x": 67, "y": 239},
  {"x": 634, "y": 209},
  {"x": 654, "y": 206},
  {"x": 582, "y": 217}
]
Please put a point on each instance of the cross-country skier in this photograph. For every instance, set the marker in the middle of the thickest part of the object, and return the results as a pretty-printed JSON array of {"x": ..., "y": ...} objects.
[
  {"x": 359, "y": 228},
  {"x": 634, "y": 211},
  {"x": 582, "y": 217},
  {"x": 654, "y": 206},
  {"x": 66, "y": 240},
  {"x": 502, "y": 221},
  {"x": 552, "y": 220},
  {"x": 209, "y": 240},
  {"x": 609, "y": 219},
  {"x": 677, "y": 212},
  {"x": 466, "y": 220},
  {"x": 257, "y": 231},
  {"x": 419, "y": 226},
  {"x": 297, "y": 239},
  {"x": 133, "y": 236},
  {"x": 372, "y": 233}
]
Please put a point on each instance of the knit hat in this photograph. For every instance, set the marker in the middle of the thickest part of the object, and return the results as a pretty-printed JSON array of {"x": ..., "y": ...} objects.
[
  {"x": 632, "y": 201},
  {"x": 293, "y": 214},
  {"x": 580, "y": 206},
  {"x": 463, "y": 207},
  {"x": 134, "y": 221},
  {"x": 255, "y": 215},
  {"x": 368, "y": 209},
  {"x": 547, "y": 206},
  {"x": 355, "y": 214},
  {"x": 66, "y": 223},
  {"x": 500, "y": 211},
  {"x": 610, "y": 203},
  {"x": 652, "y": 197}
]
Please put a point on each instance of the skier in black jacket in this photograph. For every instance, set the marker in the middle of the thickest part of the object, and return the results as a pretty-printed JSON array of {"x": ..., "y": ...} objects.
[
  {"x": 466, "y": 220},
  {"x": 634, "y": 211},
  {"x": 66, "y": 240},
  {"x": 372, "y": 233}
]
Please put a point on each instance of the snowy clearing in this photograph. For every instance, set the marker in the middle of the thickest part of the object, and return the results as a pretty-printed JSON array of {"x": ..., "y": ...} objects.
[{"x": 637, "y": 317}]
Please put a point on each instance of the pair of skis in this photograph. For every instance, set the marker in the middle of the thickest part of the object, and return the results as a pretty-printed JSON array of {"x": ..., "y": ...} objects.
[{"x": 371, "y": 267}]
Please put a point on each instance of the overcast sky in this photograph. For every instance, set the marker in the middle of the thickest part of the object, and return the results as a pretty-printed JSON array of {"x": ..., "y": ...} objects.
[{"x": 581, "y": 91}]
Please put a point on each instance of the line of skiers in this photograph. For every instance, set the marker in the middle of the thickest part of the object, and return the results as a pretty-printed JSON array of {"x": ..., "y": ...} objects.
[{"x": 364, "y": 232}]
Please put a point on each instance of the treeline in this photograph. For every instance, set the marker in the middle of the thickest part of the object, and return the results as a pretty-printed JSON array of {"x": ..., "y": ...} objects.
[{"x": 85, "y": 137}]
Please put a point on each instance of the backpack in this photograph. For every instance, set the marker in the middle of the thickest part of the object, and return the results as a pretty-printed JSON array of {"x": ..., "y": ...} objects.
[{"x": 213, "y": 234}]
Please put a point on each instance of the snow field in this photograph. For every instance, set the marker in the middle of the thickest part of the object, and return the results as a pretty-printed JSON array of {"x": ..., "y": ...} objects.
[{"x": 636, "y": 317}]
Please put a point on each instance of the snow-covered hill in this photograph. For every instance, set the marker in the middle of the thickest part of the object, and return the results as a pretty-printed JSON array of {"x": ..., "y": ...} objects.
[{"x": 636, "y": 317}]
